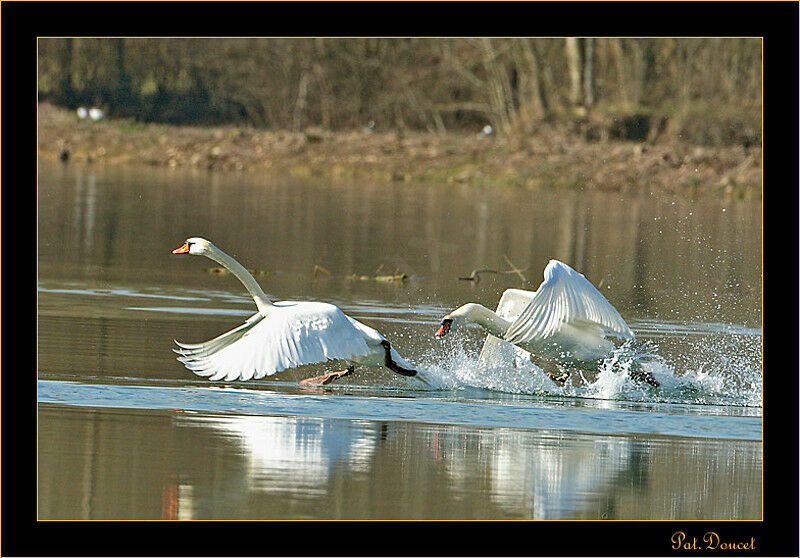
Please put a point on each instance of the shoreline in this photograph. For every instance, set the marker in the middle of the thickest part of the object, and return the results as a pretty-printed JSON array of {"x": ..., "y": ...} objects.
[{"x": 551, "y": 159}]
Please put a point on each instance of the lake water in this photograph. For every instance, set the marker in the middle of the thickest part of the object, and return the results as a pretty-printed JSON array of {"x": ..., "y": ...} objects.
[{"x": 126, "y": 432}]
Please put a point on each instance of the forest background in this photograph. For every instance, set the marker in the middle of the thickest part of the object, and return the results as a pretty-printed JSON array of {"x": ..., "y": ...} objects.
[{"x": 674, "y": 114}]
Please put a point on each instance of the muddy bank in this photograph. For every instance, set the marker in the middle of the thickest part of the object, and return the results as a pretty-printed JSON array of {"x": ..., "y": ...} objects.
[{"x": 550, "y": 159}]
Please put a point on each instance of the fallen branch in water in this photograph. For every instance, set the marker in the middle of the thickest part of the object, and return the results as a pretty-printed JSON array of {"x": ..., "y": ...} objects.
[
  {"x": 319, "y": 268},
  {"x": 396, "y": 277},
  {"x": 476, "y": 273},
  {"x": 515, "y": 269},
  {"x": 401, "y": 277},
  {"x": 223, "y": 271}
]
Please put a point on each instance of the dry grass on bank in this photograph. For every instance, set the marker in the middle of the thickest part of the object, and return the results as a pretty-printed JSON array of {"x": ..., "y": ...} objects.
[{"x": 552, "y": 158}]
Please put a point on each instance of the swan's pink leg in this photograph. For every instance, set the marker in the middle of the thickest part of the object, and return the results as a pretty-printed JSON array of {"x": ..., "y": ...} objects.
[{"x": 325, "y": 379}]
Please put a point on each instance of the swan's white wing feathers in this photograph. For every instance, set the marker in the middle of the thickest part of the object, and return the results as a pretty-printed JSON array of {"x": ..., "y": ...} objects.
[
  {"x": 566, "y": 297},
  {"x": 513, "y": 302},
  {"x": 290, "y": 335}
]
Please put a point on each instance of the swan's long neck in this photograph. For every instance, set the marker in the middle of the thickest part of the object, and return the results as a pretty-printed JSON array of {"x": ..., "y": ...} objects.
[
  {"x": 484, "y": 317},
  {"x": 250, "y": 283}
]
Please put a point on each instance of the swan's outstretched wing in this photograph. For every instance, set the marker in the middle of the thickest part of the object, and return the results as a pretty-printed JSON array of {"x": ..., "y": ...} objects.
[
  {"x": 566, "y": 297},
  {"x": 290, "y": 335}
]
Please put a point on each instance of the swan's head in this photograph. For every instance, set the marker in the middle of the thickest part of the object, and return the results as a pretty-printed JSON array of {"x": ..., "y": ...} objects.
[
  {"x": 445, "y": 327},
  {"x": 195, "y": 246},
  {"x": 459, "y": 317}
]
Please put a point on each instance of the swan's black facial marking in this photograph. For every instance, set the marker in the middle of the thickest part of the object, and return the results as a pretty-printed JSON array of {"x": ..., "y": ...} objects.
[{"x": 444, "y": 328}]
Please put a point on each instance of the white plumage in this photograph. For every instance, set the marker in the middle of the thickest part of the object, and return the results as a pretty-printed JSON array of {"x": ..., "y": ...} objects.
[
  {"x": 566, "y": 318},
  {"x": 96, "y": 114},
  {"x": 282, "y": 335},
  {"x": 566, "y": 301}
]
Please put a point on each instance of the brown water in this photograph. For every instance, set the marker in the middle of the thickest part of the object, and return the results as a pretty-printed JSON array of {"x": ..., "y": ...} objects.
[{"x": 126, "y": 432}]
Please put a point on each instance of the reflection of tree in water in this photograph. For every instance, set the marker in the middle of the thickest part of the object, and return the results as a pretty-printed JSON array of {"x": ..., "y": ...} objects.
[
  {"x": 84, "y": 214},
  {"x": 289, "y": 226},
  {"x": 638, "y": 293}
]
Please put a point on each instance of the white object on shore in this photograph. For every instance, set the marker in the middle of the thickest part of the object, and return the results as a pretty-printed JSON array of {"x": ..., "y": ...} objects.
[
  {"x": 486, "y": 131},
  {"x": 96, "y": 114}
]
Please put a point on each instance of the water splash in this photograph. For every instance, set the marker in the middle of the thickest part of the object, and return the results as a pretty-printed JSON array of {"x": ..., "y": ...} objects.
[
  {"x": 454, "y": 367},
  {"x": 721, "y": 369}
]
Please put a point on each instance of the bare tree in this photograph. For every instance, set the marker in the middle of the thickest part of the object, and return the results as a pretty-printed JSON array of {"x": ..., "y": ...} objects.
[
  {"x": 580, "y": 62},
  {"x": 427, "y": 84}
]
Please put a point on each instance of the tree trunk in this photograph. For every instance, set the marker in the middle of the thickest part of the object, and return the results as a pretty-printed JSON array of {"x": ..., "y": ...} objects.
[
  {"x": 574, "y": 68},
  {"x": 619, "y": 65},
  {"x": 300, "y": 103},
  {"x": 122, "y": 97},
  {"x": 580, "y": 63},
  {"x": 65, "y": 92},
  {"x": 538, "y": 97},
  {"x": 588, "y": 72}
]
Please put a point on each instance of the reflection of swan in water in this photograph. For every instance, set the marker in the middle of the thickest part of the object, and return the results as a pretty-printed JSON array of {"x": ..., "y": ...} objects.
[
  {"x": 566, "y": 321},
  {"x": 284, "y": 335},
  {"x": 543, "y": 477},
  {"x": 536, "y": 476},
  {"x": 293, "y": 456},
  {"x": 295, "y": 450},
  {"x": 556, "y": 480}
]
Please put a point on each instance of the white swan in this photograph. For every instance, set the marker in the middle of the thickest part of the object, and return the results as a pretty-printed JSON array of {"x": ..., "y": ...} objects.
[
  {"x": 565, "y": 321},
  {"x": 283, "y": 335}
]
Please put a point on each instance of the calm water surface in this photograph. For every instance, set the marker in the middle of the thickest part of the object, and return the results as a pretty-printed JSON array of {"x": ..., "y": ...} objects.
[{"x": 124, "y": 431}]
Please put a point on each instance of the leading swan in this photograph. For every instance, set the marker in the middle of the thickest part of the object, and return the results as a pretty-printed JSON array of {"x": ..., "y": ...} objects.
[
  {"x": 283, "y": 335},
  {"x": 566, "y": 321}
]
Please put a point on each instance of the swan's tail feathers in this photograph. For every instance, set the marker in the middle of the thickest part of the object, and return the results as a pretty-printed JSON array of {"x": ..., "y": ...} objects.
[{"x": 193, "y": 355}]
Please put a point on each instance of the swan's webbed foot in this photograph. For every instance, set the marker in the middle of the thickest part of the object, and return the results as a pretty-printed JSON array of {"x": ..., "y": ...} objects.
[
  {"x": 391, "y": 364},
  {"x": 559, "y": 376},
  {"x": 325, "y": 379}
]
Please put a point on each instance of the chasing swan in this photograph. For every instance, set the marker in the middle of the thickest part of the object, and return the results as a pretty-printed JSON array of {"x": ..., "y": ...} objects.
[
  {"x": 566, "y": 322},
  {"x": 283, "y": 335}
]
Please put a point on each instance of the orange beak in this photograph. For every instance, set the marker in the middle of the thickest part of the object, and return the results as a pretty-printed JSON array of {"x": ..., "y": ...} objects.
[
  {"x": 442, "y": 331},
  {"x": 182, "y": 249}
]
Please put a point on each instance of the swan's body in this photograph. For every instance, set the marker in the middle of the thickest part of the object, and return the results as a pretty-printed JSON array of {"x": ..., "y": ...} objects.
[
  {"x": 283, "y": 335},
  {"x": 566, "y": 321}
]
